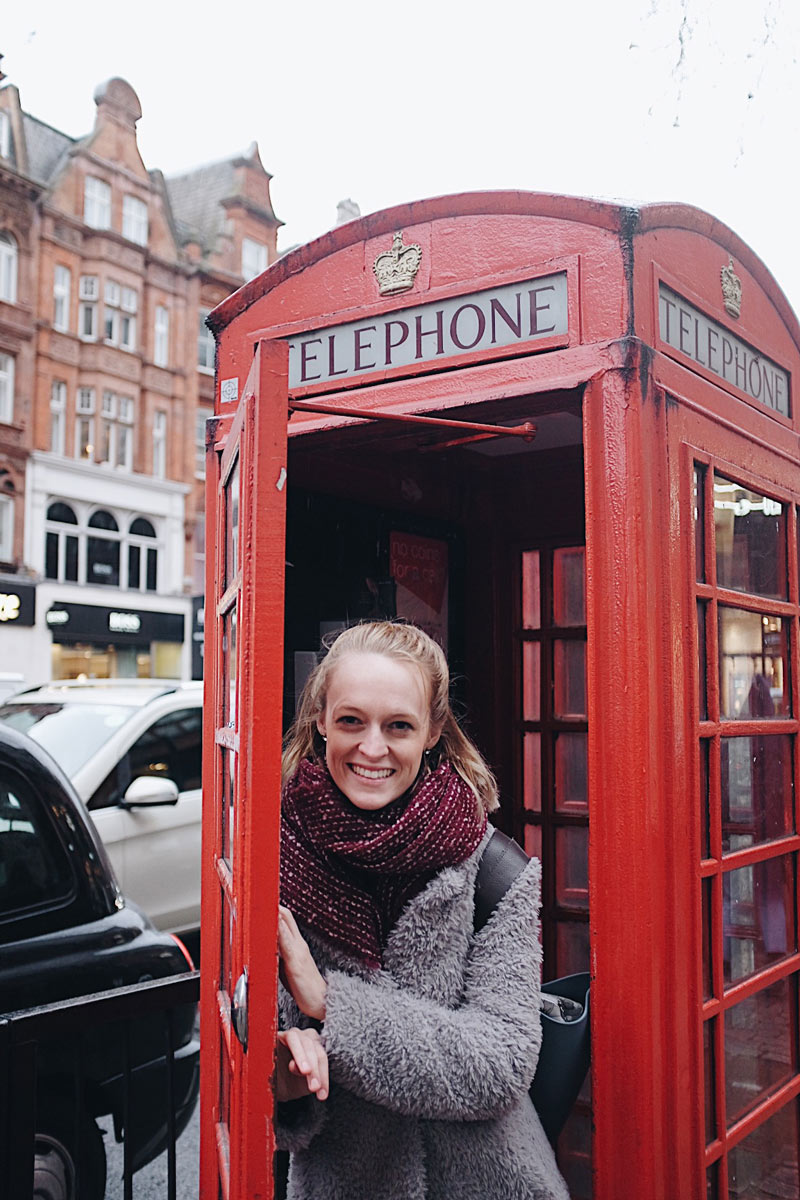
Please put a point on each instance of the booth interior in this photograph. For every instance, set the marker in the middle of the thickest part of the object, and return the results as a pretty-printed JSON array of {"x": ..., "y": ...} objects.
[{"x": 481, "y": 542}]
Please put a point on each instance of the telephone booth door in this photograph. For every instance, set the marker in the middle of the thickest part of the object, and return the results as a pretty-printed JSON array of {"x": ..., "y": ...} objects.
[{"x": 246, "y": 472}]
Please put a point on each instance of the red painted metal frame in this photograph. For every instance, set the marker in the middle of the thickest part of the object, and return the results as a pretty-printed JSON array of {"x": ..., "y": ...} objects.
[{"x": 642, "y": 409}]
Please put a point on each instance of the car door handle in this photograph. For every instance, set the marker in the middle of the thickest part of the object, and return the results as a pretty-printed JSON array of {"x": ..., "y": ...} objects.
[{"x": 239, "y": 1009}]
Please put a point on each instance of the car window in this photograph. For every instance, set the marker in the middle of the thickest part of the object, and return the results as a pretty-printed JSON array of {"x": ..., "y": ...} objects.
[
  {"x": 172, "y": 748},
  {"x": 34, "y": 867},
  {"x": 72, "y": 733}
]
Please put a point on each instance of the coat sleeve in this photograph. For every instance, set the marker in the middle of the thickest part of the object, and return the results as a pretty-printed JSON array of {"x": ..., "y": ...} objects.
[
  {"x": 296, "y": 1122},
  {"x": 395, "y": 1048}
]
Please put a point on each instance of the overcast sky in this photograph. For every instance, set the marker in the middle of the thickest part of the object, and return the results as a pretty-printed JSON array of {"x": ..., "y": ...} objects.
[{"x": 646, "y": 100}]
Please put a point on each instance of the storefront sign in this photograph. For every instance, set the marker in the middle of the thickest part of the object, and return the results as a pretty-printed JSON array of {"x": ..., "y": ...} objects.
[
  {"x": 97, "y": 625},
  {"x": 124, "y": 622},
  {"x": 712, "y": 346},
  {"x": 501, "y": 316},
  {"x": 17, "y": 601}
]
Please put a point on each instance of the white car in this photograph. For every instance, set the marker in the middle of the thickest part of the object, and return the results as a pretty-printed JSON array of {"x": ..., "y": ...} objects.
[{"x": 133, "y": 750}]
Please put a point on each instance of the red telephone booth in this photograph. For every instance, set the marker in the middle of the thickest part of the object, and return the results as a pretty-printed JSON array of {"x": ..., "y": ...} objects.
[{"x": 563, "y": 436}]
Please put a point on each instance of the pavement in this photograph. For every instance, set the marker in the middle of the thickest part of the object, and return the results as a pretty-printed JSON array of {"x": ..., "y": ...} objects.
[{"x": 151, "y": 1182}]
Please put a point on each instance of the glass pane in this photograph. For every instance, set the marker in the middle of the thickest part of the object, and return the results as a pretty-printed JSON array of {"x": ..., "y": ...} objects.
[
  {"x": 152, "y": 569},
  {"x": 226, "y": 946},
  {"x": 757, "y": 916},
  {"x": 569, "y": 587},
  {"x": 572, "y": 947},
  {"x": 751, "y": 540},
  {"x": 232, "y": 525},
  {"x": 228, "y": 767},
  {"x": 707, "y": 886},
  {"x": 103, "y": 562},
  {"x": 571, "y": 772},
  {"x": 229, "y": 652},
  {"x": 224, "y": 1091},
  {"x": 531, "y": 681},
  {"x": 709, "y": 1074},
  {"x": 764, "y": 1165},
  {"x": 532, "y": 772},
  {"x": 712, "y": 1182},
  {"x": 569, "y": 671},
  {"x": 758, "y": 1047},
  {"x": 533, "y": 841},
  {"x": 757, "y": 790},
  {"x": 705, "y": 815},
  {"x": 572, "y": 866},
  {"x": 531, "y": 591},
  {"x": 71, "y": 559},
  {"x": 753, "y": 666},
  {"x": 698, "y": 511},
  {"x": 51, "y": 556},
  {"x": 134, "y": 559},
  {"x": 702, "y": 673}
]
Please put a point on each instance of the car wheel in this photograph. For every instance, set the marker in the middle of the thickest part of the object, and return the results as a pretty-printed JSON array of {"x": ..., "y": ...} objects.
[{"x": 56, "y": 1158}]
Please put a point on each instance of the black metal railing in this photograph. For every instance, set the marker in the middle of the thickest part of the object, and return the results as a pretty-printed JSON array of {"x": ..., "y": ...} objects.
[{"x": 130, "y": 1052}]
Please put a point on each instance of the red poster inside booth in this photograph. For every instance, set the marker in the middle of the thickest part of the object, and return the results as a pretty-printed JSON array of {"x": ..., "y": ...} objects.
[{"x": 419, "y": 567}]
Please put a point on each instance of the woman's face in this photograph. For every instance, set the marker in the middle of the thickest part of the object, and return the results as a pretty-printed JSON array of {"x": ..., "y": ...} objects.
[{"x": 378, "y": 726}]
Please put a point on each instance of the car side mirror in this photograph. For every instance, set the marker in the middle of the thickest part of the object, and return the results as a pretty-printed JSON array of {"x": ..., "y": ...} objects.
[{"x": 150, "y": 791}]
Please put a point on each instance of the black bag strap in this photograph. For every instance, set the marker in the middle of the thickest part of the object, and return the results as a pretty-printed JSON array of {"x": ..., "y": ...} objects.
[{"x": 501, "y": 862}]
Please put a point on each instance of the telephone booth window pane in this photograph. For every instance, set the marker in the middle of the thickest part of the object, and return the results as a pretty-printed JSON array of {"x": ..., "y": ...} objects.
[
  {"x": 232, "y": 525},
  {"x": 228, "y": 764},
  {"x": 712, "y": 1182},
  {"x": 753, "y": 665},
  {"x": 698, "y": 511},
  {"x": 708, "y": 1061},
  {"x": 572, "y": 866},
  {"x": 757, "y": 916},
  {"x": 226, "y": 935},
  {"x": 569, "y": 676},
  {"x": 758, "y": 1047},
  {"x": 572, "y": 947},
  {"x": 571, "y": 772},
  {"x": 705, "y": 818},
  {"x": 532, "y": 772},
  {"x": 569, "y": 587},
  {"x": 702, "y": 678},
  {"x": 533, "y": 841},
  {"x": 750, "y": 540},
  {"x": 531, "y": 681},
  {"x": 707, "y": 975},
  {"x": 531, "y": 591},
  {"x": 764, "y": 1165},
  {"x": 229, "y": 651},
  {"x": 757, "y": 791},
  {"x": 224, "y": 1089}
]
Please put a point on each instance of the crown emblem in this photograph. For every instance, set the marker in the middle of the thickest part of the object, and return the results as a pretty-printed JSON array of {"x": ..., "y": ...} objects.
[
  {"x": 731, "y": 290},
  {"x": 396, "y": 269}
]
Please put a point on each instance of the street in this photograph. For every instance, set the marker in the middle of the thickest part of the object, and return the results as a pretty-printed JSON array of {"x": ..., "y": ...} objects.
[{"x": 151, "y": 1182}]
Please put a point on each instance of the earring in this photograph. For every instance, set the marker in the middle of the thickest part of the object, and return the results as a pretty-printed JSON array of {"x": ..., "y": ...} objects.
[{"x": 325, "y": 740}]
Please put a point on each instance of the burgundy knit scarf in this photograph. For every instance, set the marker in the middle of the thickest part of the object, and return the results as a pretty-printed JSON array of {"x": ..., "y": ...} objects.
[{"x": 347, "y": 874}]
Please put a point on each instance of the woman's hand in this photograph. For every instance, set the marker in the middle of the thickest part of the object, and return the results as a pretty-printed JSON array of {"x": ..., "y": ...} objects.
[
  {"x": 302, "y": 976},
  {"x": 302, "y": 1065}
]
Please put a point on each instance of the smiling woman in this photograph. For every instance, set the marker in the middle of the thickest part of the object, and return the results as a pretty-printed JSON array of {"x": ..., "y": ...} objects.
[{"x": 408, "y": 1041}]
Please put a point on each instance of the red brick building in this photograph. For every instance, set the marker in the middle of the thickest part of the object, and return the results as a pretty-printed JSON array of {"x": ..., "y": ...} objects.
[{"x": 107, "y": 270}]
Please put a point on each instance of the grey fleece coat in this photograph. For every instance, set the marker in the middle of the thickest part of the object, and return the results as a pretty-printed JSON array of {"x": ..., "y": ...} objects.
[{"x": 430, "y": 1059}]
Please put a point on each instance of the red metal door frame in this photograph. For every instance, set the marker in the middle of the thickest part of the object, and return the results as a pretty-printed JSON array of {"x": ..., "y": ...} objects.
[{"x": 243, "y": 726}]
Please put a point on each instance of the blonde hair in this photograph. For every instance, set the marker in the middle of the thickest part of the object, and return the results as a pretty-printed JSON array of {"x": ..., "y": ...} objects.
[{"x": 406, "y": 643}]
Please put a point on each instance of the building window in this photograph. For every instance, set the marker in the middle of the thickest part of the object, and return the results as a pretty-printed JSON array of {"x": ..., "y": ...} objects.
[
  {"x": 142, "y": 556},
  {"x": 61, "y": 543},
  {"x": 6, "y": 528},
  {"x": 102, "y": 550},
  {"x": 8, "y": 268},
  {"x": 96, "y": 552},
  {"x": 5, "y": 135},
  {"x": 97, "y": 203},
  {"x": 160, "y": 444},
  {"x": 254, "y": 258},
  {"x": 161, "y": 336},
  {"x": 84, "y": 424},
  {"x": 205, "y": 344},
  {"x": 134, "y": 220},
  {"x": 62, "y": 283},
  {"x": 58, "y": 409},
  {"x": 201, "y": 417},
  {"x": 88, "y": 291},
  {"x": 119, "y": 320},
  {"x": 115, "y": 442},
  {"x": 7, "y": 365}
]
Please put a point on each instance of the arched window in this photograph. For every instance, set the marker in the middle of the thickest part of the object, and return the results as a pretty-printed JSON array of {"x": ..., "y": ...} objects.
[
  {"x": 142, "y": 556},
  {"x": 8, "y": 268},
  {"x": 61, "y": 544},
  {"x": 102, "y": 550}
]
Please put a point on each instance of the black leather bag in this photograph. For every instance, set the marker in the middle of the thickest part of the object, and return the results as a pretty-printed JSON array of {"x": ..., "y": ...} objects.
[{"x": 565, "y": 1051}]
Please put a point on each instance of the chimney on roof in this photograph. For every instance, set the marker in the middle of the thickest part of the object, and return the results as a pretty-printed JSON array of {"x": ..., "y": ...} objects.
[
  {"x": 347, "y": 210},
  {"x": 116, "y": 99}
]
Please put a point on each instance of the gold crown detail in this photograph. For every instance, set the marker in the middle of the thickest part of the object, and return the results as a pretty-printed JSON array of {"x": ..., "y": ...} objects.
[
  {"x": 731, "y": 289},
  {"x": 396, "y": 269}
]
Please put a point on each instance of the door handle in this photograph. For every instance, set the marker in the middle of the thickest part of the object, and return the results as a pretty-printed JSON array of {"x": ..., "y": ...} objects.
[{"x": 239, "y": 1009}]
